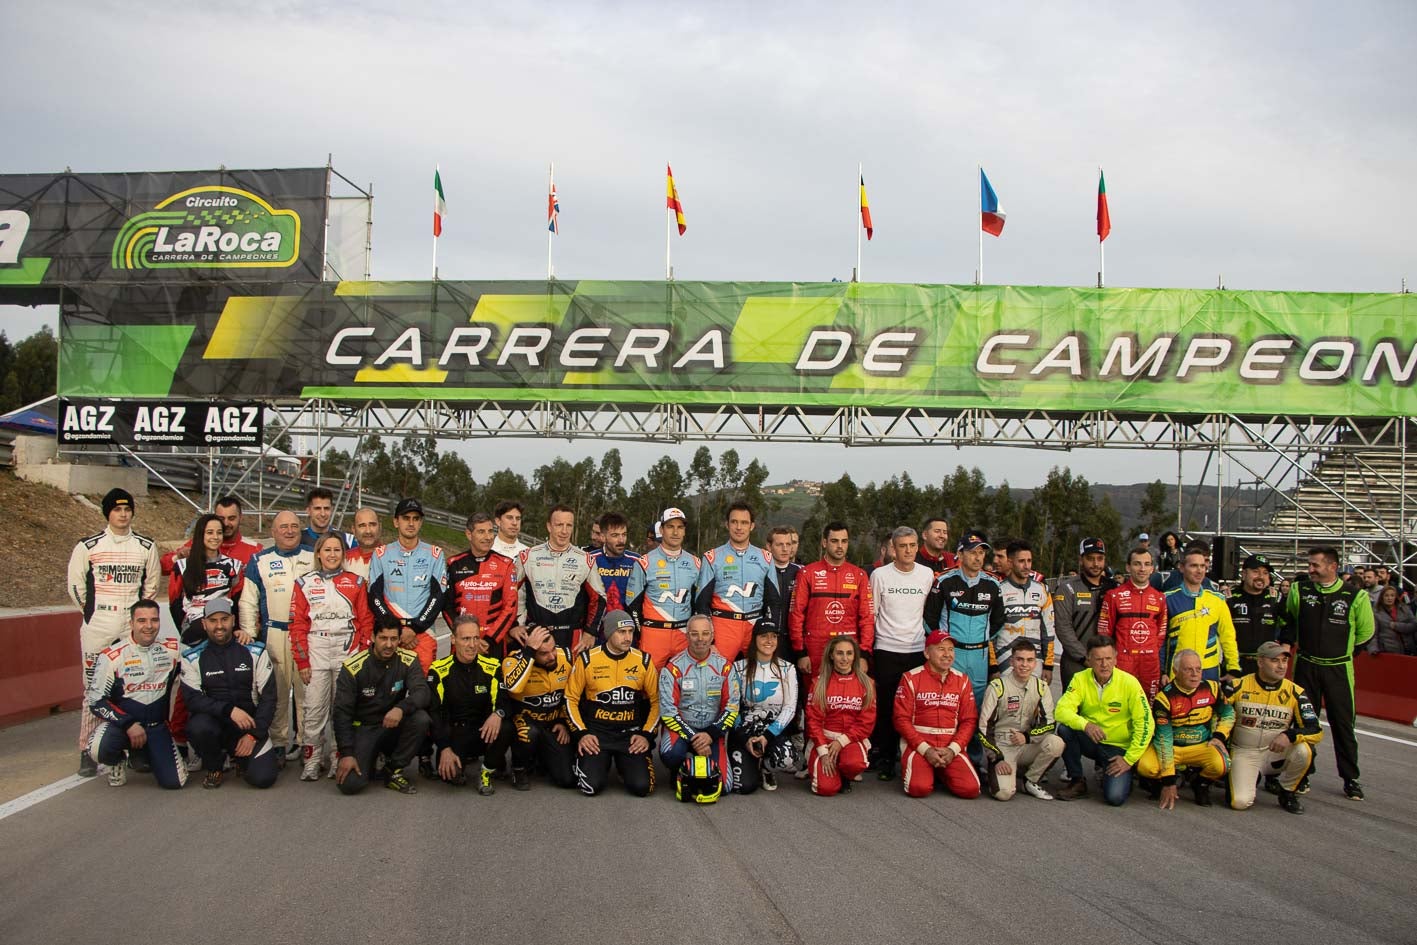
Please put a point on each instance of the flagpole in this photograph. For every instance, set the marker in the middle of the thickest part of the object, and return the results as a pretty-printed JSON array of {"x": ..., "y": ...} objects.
[
  {"x": 550, "y": 184},
  {"x": 668, "y": 229},
  {"x": 436, "y": 171},
  {"x": 1101, "y": 255},
  {"x": 979, "y": 273}
]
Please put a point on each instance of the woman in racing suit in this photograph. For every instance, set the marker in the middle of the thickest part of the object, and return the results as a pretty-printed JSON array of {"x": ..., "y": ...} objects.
[
  {"x": 841, "y": 714},
  {"x": 330, "y": 620},
  {"x": 205, "y": 574},
  {"x": 761, "y": 744}
]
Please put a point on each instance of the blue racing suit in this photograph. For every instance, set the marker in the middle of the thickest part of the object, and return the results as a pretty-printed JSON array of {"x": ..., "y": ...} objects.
[
  {"x": 698, "y": 697},
  {"x": 410, "y": 586},
  {"x": 615, "y": 574},
  {"x": 971, "y": 610}
]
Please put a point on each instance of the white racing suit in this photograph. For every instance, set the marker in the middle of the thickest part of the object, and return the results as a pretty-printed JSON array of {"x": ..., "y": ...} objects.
[{"x": 108, "y": 573}]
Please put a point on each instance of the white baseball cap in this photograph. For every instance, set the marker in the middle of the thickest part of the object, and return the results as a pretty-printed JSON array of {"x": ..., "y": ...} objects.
[{"x": 671, "y": 513}]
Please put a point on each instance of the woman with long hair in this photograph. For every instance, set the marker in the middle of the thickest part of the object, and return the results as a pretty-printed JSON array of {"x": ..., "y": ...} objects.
[
  {"x": 205, "y": 574},
  {"x": 330, "y": 620},
  {"x": 761, "y": 744},
  {"x": 1168, "y": 558},
  {"x": 841, "y": 715}
]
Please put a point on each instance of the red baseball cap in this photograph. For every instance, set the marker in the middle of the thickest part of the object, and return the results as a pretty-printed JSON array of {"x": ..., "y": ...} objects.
[{"x": 938, "y": 636}]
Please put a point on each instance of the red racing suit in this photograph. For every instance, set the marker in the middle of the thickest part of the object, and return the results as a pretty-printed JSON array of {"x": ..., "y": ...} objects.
[
  {"x": 487, "y": 589},
  {"x": 828, "y": 601},
  {"x": 1136, "y": 618},
  {"x": 934, "y": 711},
  {"x": 847, "y": 719}
]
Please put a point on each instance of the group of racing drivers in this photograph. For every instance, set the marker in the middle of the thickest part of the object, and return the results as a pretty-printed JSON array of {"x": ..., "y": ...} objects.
[{"x": 736, "y": 666}]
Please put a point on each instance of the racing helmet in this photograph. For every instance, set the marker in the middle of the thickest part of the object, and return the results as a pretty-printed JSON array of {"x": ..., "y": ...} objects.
[{"x": 698, "y": 780}]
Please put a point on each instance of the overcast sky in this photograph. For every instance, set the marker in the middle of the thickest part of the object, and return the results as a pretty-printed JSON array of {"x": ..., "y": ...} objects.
[{"x": 1268, "y": 144}]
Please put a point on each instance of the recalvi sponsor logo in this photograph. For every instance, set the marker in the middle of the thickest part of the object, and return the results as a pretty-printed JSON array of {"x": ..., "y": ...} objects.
[{"x": 211, "y": 227}]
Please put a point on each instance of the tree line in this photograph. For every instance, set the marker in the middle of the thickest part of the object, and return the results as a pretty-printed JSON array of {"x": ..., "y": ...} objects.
[
  {"x": 1054, "y": 518},
  {"x": 28, "y": 370}
]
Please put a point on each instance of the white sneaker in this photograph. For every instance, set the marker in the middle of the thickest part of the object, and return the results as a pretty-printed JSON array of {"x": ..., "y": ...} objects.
[
  {"x": 117, "y": 775},
  {"x": 311, "y": 770},
  {"x": 1033, "y": 790}
]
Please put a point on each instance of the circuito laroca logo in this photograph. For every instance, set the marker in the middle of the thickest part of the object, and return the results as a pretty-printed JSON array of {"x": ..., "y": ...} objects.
[{"x": 213, "y": 227}]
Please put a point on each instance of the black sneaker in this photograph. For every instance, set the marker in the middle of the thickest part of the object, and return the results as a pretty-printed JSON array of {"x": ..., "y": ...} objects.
[
  {"x": 139, "y": 762},
  {"x": 1271, "y": 784},
  {"x": 886, "y": 773},
  {"x": 396, "y": 781},
  {"x": 213, "y": 780},
  {"x": 520, "y": 781},
  {"x": 280, "y": 759},
  {"x": 1353, "y": 790},
  {"x": 769, "y": 779},
  {"x": 1202, "y": 792},
  {"x": 88, "y": 768},
  {"x": 426, "y": 769},
  {"x": 845, "y": 786},
  {"x": 1290, "y": 802},
  {"x": 1303, "y": 787}
]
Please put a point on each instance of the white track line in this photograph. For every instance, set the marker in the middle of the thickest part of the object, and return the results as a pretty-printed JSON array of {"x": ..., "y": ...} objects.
[
  {"x": 1386, "y": 738},
  {"x": 27, "y": 801}
]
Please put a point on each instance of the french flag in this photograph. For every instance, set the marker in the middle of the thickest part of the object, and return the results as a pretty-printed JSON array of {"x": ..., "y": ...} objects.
[{"x": 991, "y": 215}]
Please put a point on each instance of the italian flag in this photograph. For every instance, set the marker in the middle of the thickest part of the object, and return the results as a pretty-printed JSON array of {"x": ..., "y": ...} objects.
[
  {"x": 1104, "y": 219},
  {"x": 440, "y": 206}
]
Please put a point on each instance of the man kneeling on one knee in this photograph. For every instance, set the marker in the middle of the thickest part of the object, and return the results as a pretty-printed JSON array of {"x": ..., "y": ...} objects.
[
  {"x": 1017, "y": 727},
  {"x": 381, "y": 701}
]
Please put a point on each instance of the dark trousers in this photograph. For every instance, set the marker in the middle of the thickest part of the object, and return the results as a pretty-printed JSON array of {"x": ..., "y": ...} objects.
[
  {"x": 637, "y": 771},
  {"x": 1330, "y": 689},
  {"x": 1077, "y": 745},
  {"x": 214, "y": 739},
  {"x": 748, "y": 770},
  {"x": 1070, "y": 668},
  {"x": 398, "y": 745},
  {"x": 110, "y": 741},
  {"x": 887, "y": 668},
  {"x": 534, "y": 743},
  {"x": 466, "y": 742}
]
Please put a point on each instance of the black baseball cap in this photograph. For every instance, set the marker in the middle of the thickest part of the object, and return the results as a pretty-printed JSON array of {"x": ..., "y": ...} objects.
[
  {"x": 1092, "y": 546},
  {"x": 971, "y": 540},
  {"x": 1257, "y": 561},
  {"x": 408, "y": 505}
]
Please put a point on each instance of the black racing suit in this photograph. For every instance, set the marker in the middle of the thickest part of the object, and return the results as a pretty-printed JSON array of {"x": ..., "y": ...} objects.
[
  {"x": 216, "y": 679},
  {"x": 461, "y": 697},
  {"x": 1258, "y": 618},
  {"x": 1330, "y": 624},
  {"x": 367, "y": 688}
]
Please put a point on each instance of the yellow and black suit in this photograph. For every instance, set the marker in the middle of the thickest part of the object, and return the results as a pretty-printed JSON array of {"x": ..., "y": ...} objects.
[{"x": 613, "y": 698}]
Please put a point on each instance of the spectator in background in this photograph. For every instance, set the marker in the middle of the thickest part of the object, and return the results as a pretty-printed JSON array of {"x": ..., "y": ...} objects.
[
  {"x": 1396, "y": 628},
  {"x": 1169, "y": 557}
]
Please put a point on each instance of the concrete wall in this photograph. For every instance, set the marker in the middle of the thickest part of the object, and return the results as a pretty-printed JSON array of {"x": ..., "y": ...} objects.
[{"x": 88, "y": 480}]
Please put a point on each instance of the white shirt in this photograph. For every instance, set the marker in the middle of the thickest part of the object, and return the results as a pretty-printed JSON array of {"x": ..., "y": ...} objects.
[
  {"x": 509, "y": 548},
  {"x": 900, "y": 607}
]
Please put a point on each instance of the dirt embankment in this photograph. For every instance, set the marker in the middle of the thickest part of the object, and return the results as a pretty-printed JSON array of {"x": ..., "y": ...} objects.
[{"x": 42, "y": 524}]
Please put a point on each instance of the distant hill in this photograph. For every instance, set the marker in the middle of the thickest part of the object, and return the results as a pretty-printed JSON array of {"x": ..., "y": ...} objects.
[{"x": 1243, "y": 508}]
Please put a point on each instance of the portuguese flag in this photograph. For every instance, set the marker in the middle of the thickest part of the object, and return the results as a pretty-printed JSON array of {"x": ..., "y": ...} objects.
[
  {"x": 440, "y": 206},
  {"x": 1104, "y": 219}
]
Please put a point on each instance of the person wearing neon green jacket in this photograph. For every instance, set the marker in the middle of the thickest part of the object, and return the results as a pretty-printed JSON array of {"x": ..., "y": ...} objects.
[{"x": 1104, "y": 715}]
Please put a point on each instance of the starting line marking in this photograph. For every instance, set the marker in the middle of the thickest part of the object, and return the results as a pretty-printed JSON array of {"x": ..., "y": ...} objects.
[
  {"x": 1386, "y": 738},
  {"x": 26, "y": 801}
]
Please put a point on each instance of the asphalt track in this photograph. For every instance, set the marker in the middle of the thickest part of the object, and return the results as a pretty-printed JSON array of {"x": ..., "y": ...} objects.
[{"x": 302, "y": 863}]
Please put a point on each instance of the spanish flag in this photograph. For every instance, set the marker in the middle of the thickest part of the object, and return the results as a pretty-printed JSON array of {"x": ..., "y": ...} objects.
[
  {"x": 865, "y": 209},
  {"x": 672, "y": 199}
]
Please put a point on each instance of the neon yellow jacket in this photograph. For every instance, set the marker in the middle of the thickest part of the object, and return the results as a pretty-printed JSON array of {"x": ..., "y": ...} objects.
[{"x": 1120, "y": 707}]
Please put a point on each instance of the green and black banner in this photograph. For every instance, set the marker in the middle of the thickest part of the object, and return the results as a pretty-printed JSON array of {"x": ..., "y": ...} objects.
[
  {"x": 188, "y": 226},
  {"x": 813, "y": 345}
]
